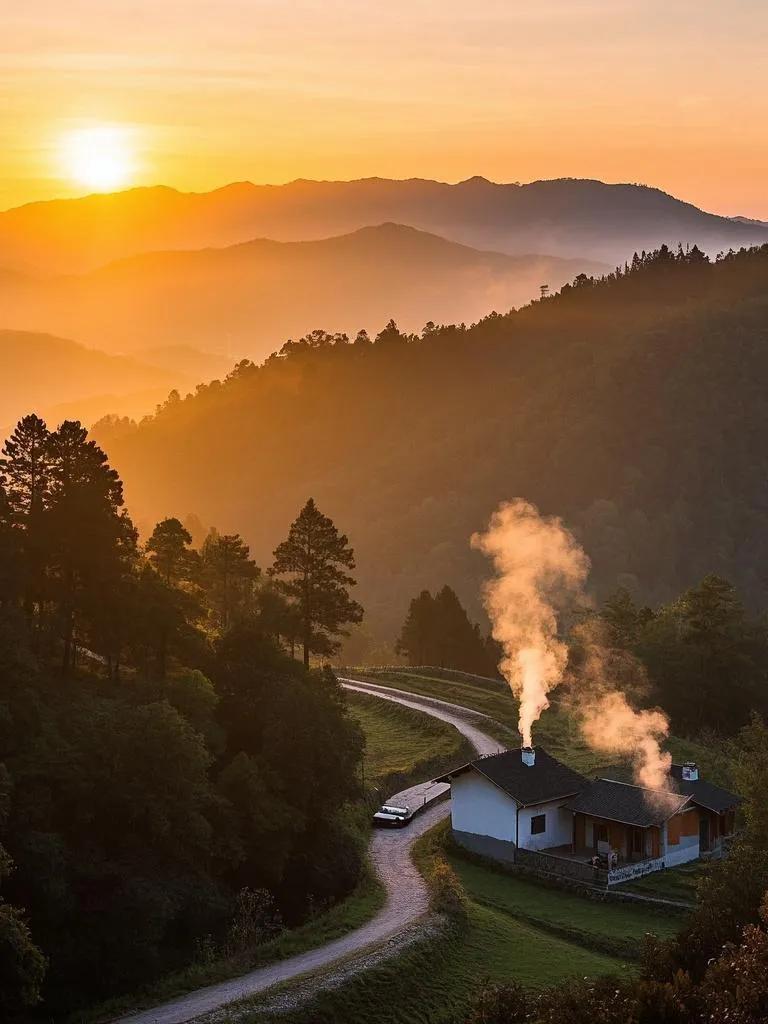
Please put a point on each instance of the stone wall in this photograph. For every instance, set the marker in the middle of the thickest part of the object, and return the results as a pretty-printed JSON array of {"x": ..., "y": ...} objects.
[{"x": 574, "y": 869}]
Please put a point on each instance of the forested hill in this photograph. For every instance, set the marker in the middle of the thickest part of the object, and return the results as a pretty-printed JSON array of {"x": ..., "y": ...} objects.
[
  {"x": 635, "y": 407},
  {"x": 240, "y": 299}
]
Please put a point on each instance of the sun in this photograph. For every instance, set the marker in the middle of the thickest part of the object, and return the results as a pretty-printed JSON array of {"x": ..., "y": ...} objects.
[{"x": 101, "y": 157}]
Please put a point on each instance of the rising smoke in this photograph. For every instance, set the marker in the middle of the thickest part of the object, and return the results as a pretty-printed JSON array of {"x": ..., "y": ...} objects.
[
  {"x": 540, "y": 568},
  {"x": 540, "y": 575}
]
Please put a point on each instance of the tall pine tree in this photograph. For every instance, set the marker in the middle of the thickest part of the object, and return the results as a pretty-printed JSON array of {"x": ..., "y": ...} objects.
[{"x": 314, "y": 558}]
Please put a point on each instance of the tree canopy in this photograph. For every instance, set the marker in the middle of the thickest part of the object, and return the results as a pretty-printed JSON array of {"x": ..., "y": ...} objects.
[{"x": 185, "y": 761}]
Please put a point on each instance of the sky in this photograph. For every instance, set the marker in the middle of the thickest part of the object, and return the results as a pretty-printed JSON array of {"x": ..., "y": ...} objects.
[{"x": 672, "y": 94}]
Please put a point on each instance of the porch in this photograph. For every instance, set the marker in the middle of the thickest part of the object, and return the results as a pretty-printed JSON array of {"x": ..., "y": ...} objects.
[{"x": 585, "y": 865}]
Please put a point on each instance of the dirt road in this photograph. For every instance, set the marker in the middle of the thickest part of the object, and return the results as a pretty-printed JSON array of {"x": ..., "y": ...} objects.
[{"x": 407, "y": 897}]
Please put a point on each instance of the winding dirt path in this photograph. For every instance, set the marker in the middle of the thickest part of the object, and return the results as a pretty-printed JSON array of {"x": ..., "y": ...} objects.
[{"x": 407, "y": 897}]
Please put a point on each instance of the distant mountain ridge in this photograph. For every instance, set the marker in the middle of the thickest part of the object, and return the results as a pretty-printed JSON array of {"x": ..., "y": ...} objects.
[
  {"x": 61, "y": 379},
  {"x": 245, "y": 300},
  {"x": 567, "y": 217}
]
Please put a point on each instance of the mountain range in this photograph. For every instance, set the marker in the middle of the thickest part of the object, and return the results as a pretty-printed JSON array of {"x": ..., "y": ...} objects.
[
  {"x": 566, "y": 217},
  {"x": 61, "y": 379},
  {"x": 245, "y": 300}
]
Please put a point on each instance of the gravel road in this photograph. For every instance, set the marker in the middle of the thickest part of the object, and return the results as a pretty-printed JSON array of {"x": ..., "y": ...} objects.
[{"x": 407, "y": 897}]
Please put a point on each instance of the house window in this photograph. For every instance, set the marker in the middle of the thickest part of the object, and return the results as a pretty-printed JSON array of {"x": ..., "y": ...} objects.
[{"x": 538, "y": 824}]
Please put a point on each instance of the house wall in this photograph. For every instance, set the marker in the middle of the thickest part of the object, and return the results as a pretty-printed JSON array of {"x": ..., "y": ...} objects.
[
  {"x": 559, "y": 826},
  {"x": 482, "y": 809},
  {"x": 680, "y": 839}
]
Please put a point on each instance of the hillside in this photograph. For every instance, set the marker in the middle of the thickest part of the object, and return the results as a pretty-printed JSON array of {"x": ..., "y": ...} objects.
[
  {"x": 568, "y": 217},
  {"x": 62, "y": 379},
  {"x": 240, "y": 299},
  {"x": 635, "y": 408}
]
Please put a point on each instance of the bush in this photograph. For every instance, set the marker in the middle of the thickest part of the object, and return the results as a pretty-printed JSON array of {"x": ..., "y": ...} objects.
[{"x": 447, "y": 893}]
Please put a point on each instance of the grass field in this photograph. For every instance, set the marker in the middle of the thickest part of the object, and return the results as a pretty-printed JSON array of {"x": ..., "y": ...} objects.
[
  {"x": 674, "y": 884},
  {"x": 404, "y": 746},
  {"x": 556, "y": 730},
  {"x": 615, "y": 929}
]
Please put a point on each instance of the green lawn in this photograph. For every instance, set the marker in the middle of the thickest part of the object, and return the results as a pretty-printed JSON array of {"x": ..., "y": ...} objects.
[
  {"x": 615, "y": 929},
  {"x": 674, "y": 884},
  {"x": 404, "y": 746}
]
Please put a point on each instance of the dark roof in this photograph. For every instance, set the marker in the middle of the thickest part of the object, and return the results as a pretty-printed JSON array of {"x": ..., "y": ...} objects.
[
  {"x": 620, "y": 801},
  {"x": 704, "y": 794},
  {"x": 547, "y": 779}
]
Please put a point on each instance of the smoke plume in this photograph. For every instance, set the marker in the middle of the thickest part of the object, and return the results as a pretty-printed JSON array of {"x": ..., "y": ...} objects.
[
  {"x": 539, "y": 568},
  {"x": 540, "y": 573},
  {"x": 601, "y": 680}
]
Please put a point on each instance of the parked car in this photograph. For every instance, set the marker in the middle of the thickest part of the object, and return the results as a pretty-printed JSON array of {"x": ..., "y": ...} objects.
[{"x": 389, "y": 816}]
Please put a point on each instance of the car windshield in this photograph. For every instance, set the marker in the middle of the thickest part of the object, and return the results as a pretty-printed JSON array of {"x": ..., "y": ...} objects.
[{"x": 393, "y": 810}]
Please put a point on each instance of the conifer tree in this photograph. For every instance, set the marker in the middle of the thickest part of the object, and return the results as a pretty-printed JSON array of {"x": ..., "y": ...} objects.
[
  {"x": 227, "y": 574},
  {"x": 314, "y": 557},
  {"x": 169, "y": 551},
  {"x": 91, "y": 539}
]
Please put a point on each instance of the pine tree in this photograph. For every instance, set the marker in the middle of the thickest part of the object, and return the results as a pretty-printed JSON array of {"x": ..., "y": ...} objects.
[
  {"x": 314, "y": 558},
  {"x": 25, "y": 472},
  {"x": 227, "y": 575},
  {"x": 92, "y": 541},
  {"x": 417, "y": 640},
  {"x": 169, "y": 551},
  {"x": 25, "y": 465}
]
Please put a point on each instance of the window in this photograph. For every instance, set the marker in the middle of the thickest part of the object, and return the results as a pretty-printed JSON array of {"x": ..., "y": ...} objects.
[{"x": 538, "y": 824}]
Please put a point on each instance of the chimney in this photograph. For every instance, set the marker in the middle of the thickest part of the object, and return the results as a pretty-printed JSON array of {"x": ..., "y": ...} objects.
[
  {"x": 690, "y": 772},
  {"x": 529, "y": 756}
]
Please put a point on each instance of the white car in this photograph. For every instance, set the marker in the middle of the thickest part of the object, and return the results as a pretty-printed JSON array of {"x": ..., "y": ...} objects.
[{"x": 390, "y": 816}]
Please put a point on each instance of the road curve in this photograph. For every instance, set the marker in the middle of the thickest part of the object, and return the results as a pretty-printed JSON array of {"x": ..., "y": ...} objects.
[{"x": 407, "y": 897}]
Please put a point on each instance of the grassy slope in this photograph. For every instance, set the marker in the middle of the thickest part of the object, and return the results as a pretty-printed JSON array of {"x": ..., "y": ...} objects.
[
  {"x": 556, "y": 730},
  {"x": 613, "y": 928},
  {"x": 404, "y": 746},
  {"x": 674, "y": 884},
  {"x": 434, "y": 981},
  {"x": 359, "y": 907}
]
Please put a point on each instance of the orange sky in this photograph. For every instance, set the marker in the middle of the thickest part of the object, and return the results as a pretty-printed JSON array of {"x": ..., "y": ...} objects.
[{"x": 671, "y": 93}]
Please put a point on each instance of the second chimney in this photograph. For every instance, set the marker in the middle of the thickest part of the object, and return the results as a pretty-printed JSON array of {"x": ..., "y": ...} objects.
[
  {"x": 690, "y": 772},
  {"x": 529, "y": 756}
]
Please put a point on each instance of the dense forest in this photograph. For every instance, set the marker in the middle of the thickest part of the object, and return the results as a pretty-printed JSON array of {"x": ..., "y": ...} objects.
[
  {"x": 633, "y": 406},
  {"x": 702, "y": 657},
  {"x": 171, "y": 776}
]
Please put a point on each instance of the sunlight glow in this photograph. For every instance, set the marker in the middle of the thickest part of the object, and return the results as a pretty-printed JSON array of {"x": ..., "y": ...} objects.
[{"x": 101, "y": 157}]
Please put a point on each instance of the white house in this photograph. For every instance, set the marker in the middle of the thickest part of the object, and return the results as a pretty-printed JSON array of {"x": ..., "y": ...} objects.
[{"x": 527, "y": 807}]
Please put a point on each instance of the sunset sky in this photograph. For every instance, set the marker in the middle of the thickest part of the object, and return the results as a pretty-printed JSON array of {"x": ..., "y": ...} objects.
[{"x": 673, "y": 94}]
